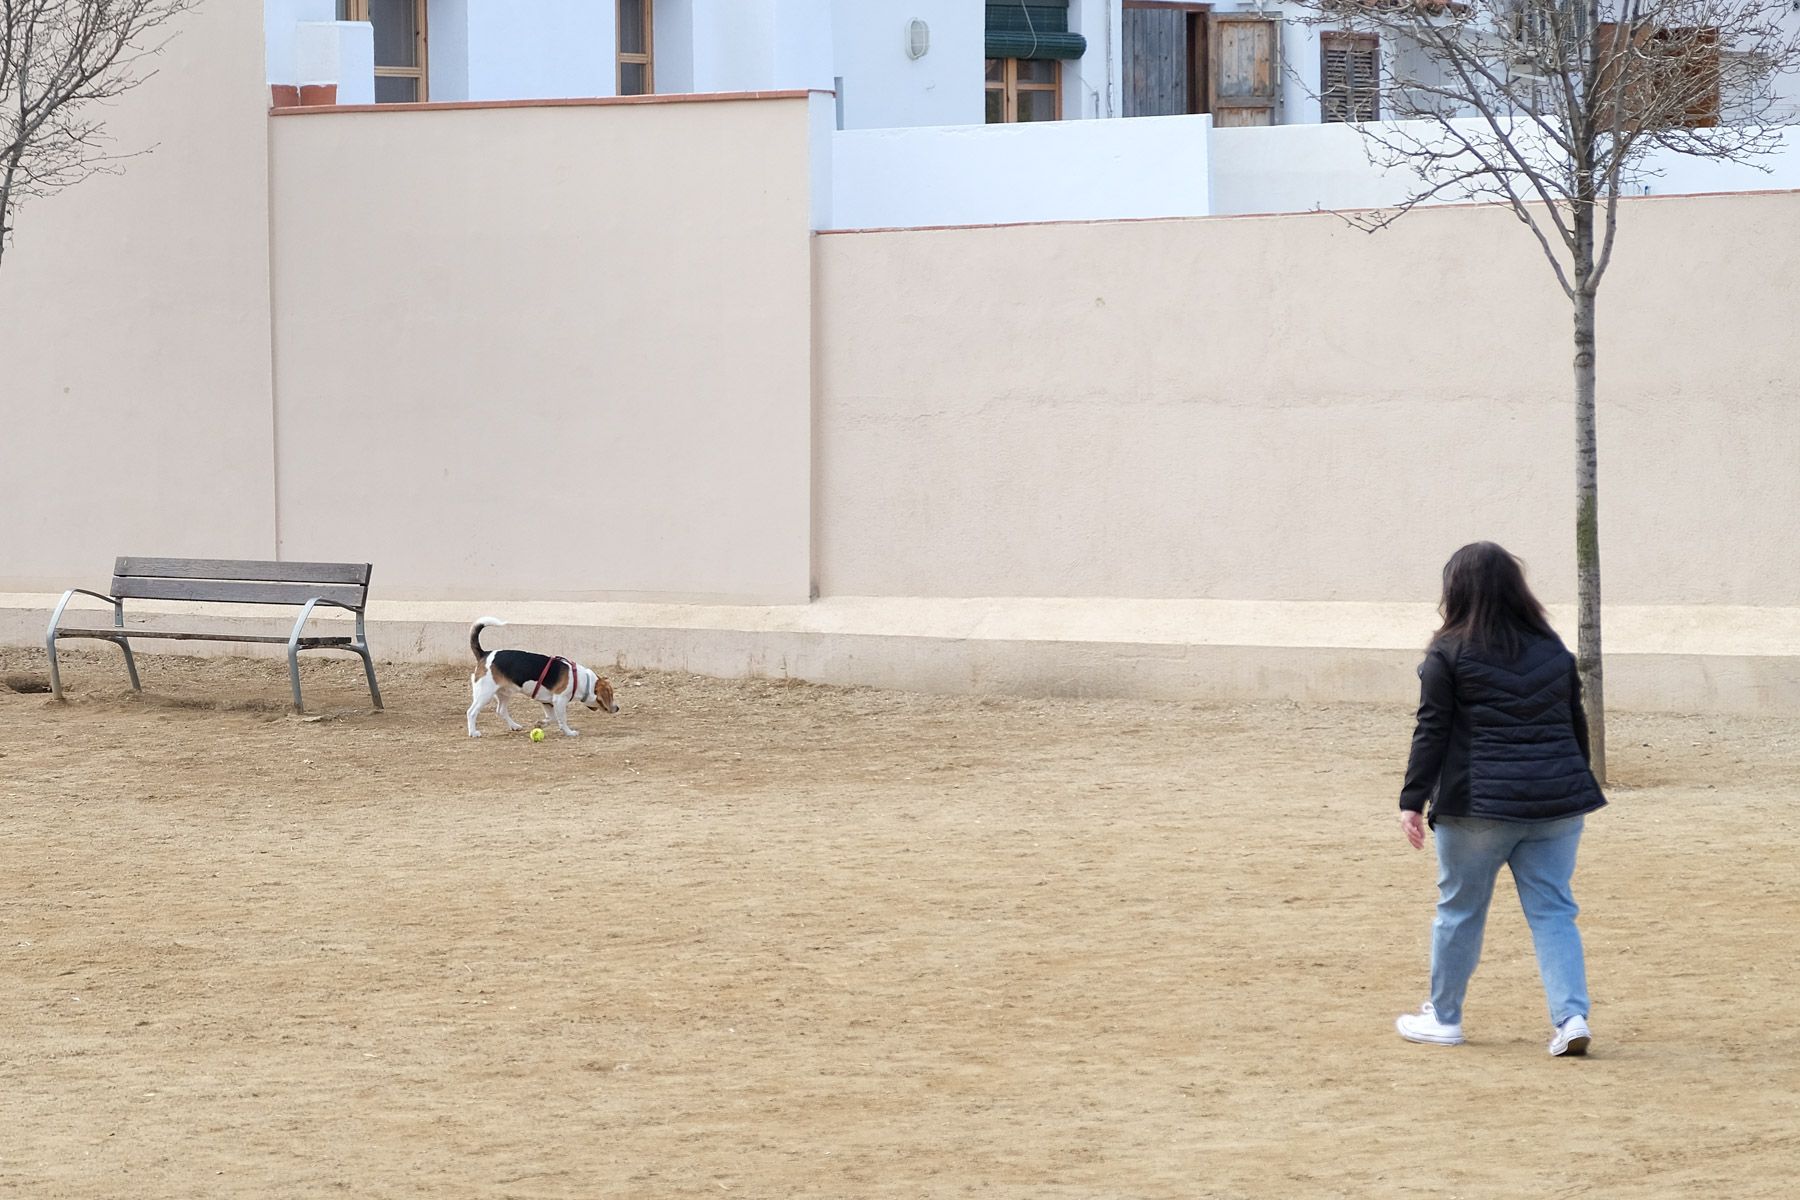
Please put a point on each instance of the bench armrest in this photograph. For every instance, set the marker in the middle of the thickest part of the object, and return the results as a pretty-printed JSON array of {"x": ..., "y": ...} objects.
[
  {"x": 118, "y": 606},
  {"x": 317, "y": 600},
  {"x": 306, "y": 612}
]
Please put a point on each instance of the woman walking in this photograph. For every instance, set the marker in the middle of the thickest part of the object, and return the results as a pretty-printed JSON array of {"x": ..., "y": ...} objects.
[{"x": 1501, "y": 754}]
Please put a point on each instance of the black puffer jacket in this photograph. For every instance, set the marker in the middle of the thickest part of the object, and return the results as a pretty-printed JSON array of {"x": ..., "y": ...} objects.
[{"x": 1497, "y": 738}]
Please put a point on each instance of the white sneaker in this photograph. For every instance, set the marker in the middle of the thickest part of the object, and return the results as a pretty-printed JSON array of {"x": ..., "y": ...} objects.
[
  {"x": 1423, "y": 1026},
  {"x": 1570, "y": 1038}
]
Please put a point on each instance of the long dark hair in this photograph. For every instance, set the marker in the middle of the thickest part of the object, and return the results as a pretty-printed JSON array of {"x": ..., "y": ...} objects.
[{"x": 1487, "y": 603}]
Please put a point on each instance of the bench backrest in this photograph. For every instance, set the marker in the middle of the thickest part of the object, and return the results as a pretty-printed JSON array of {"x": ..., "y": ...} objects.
[{"x": 240, "y": 581}]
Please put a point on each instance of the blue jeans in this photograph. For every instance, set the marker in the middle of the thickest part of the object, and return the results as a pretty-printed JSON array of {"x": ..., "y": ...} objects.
[{"x": 1542, "y": 857}]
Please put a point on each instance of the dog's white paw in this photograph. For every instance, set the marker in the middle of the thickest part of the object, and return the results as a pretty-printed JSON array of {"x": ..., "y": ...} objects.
[
  {"x": 570, "y": 733},
  {"x": 474, "y": 733}
]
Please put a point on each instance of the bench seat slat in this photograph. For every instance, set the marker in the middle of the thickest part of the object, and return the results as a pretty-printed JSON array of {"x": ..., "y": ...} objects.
[
  {"x": 181, "y": 635},
  {"x": 248, "y": 569},
  {"x": 235, "y": 591}
]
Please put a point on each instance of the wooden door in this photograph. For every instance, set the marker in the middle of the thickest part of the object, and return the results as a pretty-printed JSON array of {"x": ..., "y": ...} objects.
[
  {"x": 1163, "y": 47},
  {"x": 1245, "y": 74},
  {"x": 1154, "y": 45}
]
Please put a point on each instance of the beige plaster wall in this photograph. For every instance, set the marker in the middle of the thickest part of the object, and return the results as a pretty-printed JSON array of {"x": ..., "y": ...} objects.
[
  {"x": 134, "y": 329},
  {"x": 1288, "y": 408},
  {"x": 551, "y": 352}
]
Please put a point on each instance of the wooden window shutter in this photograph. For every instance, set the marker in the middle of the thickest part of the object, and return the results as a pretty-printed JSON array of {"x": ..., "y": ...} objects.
[
  {"x": 1700, "y": 68},
  {"x": 1349, "y": 76},
  {"x": 1609, "y": 101},
  {"x": 1663, "y": 78}
]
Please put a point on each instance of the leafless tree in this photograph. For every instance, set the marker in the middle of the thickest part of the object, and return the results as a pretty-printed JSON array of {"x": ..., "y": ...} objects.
[
  {"x": 60, "y": 61},
  {"x": 1556, "y": 108}
]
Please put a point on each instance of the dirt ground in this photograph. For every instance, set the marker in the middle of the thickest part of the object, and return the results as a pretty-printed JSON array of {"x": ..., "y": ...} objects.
[{"x": 750, "y": 939}]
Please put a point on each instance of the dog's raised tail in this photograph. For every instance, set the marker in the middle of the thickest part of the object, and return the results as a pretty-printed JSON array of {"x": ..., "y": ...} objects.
[{"x": 481, "y": 623}]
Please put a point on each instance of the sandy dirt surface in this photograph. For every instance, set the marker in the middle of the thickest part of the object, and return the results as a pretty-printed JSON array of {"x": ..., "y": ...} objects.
[{"x": 746, "y": 939}]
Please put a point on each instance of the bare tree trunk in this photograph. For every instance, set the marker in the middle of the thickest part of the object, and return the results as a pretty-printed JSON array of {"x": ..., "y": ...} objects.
[{"x": 1587, "y": 503}]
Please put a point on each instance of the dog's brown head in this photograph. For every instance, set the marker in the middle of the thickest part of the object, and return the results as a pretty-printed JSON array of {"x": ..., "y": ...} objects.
[{"x": 593, "y": 691}]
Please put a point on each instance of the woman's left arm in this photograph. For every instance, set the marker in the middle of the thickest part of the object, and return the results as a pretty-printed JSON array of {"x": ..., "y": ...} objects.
[{"x": 1431, "y": 737}]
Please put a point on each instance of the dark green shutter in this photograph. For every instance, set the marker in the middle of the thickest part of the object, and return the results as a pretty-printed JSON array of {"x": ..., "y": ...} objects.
[{"x": 1035, "y": 30}]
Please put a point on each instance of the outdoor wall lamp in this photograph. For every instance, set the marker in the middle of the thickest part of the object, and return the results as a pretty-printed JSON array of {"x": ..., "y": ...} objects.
[{"x": 918, "y": 38}]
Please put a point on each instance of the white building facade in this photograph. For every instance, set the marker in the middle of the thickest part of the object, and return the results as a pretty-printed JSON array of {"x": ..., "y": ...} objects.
[
  {"x": 940, "y": 112},
  {"x": 891, "y": 63}
]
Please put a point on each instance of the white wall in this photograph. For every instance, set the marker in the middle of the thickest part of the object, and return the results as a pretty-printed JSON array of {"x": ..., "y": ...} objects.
[
  {"x": 448, "y": 36},
  {"x": 1300, "y": 57},
  {"x": 535, "y": 49},
  {"x": 673, "y": 41},
  {"x": 478, "y": 49},
  {"x": 1302, "y": 168},
  {"x": 337, "y": 52},
  {"x": 280, "y": 19},
  {"x": 993, "y": 174},
  {"x": 1667, "y": 174},
  {"x": 803, "y": 44},
  {"x": 1299, "y": 168},
  {"x": 883, "y": 87},
  {"x": 734, "y": 45},
  {"x": 1786, "y": 106}
]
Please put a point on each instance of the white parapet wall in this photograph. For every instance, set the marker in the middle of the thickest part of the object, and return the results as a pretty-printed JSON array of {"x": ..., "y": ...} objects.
[
  {"x": 1182, "y": 167},
  {"x": 1005, "y": 174},
  {"x": 1668, "y": 174},
  {"x": 1332, "y": 167},
  {"x": 1340, "y": 167}
]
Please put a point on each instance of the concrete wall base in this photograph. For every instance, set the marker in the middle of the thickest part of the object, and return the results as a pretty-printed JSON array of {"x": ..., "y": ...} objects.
[{"x": 1676, "y": 659}]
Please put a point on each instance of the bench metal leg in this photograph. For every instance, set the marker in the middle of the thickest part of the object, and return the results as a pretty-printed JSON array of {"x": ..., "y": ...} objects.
[
  {"x": 369, "y": 670},
  {"x": 121, "y": 641},
  {"x": 56, "y": 667},
  {"x": 124, "y": 644},
  {"x": 360, "y": 648},
  {"x": 55, "y": 675},
  {"x": 294, "y": 676}
]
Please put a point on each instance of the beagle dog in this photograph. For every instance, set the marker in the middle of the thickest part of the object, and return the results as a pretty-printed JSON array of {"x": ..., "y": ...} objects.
[{"x": 554, "y": 682}]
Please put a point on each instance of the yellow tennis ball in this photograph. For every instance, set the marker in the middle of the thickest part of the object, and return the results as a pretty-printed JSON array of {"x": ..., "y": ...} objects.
[{"x": 537, "y": 735}]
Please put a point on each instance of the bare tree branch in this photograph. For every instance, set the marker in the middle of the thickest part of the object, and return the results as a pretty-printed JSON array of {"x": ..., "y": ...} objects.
[{"x": 59, "y": 59}]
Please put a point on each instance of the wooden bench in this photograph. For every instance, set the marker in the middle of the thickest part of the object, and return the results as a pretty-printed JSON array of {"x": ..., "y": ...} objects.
[{"x": 225, "y": 581}]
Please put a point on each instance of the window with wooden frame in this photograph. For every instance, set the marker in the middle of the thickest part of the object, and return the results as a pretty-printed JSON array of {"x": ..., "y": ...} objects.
[
  {"x": 400, "y": 61},
  {"x": 1349, "y": 76},
  {"x": 636, "y": 35},
  {"x": 1023, "y": 89}
]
